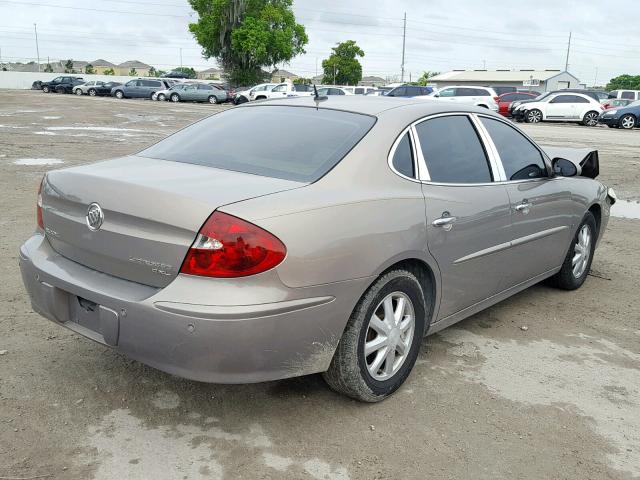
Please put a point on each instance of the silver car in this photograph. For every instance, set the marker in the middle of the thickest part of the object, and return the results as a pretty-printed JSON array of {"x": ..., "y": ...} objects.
[{"x": 337, "y": 238}]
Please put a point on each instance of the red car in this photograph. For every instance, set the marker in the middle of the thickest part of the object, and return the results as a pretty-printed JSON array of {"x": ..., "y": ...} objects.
[{"x": 505, "y": 100}]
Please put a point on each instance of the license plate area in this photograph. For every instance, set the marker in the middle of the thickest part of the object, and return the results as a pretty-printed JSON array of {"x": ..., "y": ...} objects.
[{"x": 92, "y": 320}]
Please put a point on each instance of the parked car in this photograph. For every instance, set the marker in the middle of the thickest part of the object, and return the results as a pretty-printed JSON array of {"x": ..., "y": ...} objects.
[
  {"x": 325, "y": 91},
  {"x": 505, "y": 100},
  {"x": 378, "y": 92},
  {"x": 284, "y": 90},
  {"x": 484, "y": 97},
  {"x": 358, "y": 90},
  {"x": 258, "y": 92},
  {"x": 201, "y": 255},
  {"x": 64, "y": 84},
  {"x": 196, "y": 92},
  {"x": 626, "y": 94},
  {"x": 95, "y": 87},
  {"x": 408, "y": 91},
  {"x": 597, "y": 95},
  {"x": 141, "y": 88},
  {"x": 563, "y": 107},
  {"x": 623, "y": 117},
  {"x": 615, "y": 103}
]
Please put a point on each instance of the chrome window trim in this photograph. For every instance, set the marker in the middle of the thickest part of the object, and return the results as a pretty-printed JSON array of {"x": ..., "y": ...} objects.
[
  {"x": 545, "y": 158},
  {"x": 392, "y": 152},
  {"x": 491, "y": 149}
]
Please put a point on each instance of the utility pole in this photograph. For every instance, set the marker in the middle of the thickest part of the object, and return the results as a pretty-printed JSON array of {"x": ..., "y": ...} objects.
[
  {"x": 35, "y": 29},
  {"x": 566, "y": 63},
  {"x": 181, "y": 58},
  {"x": 404, "y": 38}
]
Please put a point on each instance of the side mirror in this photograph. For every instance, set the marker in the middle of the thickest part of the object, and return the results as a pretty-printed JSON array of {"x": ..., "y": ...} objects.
[
  {"x": 436, "y": 95},
  {"x": 563, "y": 167}
]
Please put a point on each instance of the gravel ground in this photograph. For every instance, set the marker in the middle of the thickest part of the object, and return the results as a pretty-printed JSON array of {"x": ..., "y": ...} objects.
[{"x": 488, "y": 399}]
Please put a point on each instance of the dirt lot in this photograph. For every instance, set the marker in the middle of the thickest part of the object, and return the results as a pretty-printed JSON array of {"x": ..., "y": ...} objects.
[{"x": 487, "y": 398}]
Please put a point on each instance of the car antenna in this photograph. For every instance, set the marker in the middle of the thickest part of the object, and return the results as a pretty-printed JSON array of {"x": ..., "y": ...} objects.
[{"x": 317, "y": 98}]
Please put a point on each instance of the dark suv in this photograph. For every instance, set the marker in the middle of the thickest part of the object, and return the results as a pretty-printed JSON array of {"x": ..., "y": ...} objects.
[
  {"x": 141, "y": 88},
  {"x": 61, "y": 84},
  {"x": 408, "y": 91}
]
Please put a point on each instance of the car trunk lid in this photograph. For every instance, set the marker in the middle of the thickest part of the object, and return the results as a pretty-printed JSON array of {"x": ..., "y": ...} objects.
[{"x": 152, "y": 210}]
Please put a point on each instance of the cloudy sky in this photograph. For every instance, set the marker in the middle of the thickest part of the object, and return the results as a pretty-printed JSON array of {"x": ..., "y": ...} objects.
[{"x": 441, "y": 34}]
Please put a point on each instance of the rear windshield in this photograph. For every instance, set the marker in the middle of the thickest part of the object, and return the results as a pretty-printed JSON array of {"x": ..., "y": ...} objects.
[{"x": 292, "y": 143}]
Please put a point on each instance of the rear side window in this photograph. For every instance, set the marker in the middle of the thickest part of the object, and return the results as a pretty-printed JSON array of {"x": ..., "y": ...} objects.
[
  {"x": 520, "y": 158},
  {"x": 452, "y": 150},
  {"x": 292, "y": 143},
  {"x": 628, "y": 95},
  {"x": 403, "y": 157}
]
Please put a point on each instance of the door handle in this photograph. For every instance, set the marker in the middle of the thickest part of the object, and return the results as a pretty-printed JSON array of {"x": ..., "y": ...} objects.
[
  {"x": 446, "y": 221},
  {"x": 523, "y": 207}
]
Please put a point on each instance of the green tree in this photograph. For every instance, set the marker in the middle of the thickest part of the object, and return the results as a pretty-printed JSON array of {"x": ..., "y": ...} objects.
[
  {"x": 152, "y": 72},
  {"x": 89, "y": 70},
  {"x": 48, "y": 68},
  {"x": 426, "y": 75},
  {"x": 190, "y": 72},
  {"x": 68, "y": 67},
  {"x": 628, "y": 82},
  {"x": 246, "y": 35},
  {"x": 302, "y": 81},
  {"x": 109, "y": 71},
  {"x": 133, "y": 72},
  {"x": 343, "y": 66}
]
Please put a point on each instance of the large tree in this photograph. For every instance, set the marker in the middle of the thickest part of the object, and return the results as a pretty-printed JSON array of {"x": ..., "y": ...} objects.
[
  {"x": 629, "y": 82},
  {"x": 247, "y": 35},
  {"x": 343, "y": 67}
]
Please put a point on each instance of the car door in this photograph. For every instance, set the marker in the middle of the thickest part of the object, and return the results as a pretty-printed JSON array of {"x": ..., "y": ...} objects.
[
  {"x": 189, "y": 93},
  {"x": 279, "y": 91},
  {"x": 541, "y": 204},
  {"x": 203, "y": 92},
  {"x": 447, "y": 94},
  {"x": 129, "y": 88},
  {"x": 560, "y": 107},
  {"x": 467, "y": 212}
]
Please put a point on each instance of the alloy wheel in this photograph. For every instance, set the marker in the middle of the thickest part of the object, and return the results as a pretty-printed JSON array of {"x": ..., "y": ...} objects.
[
  {"x": 627, "y": 122},
  {"x": 591, "y": 119},
  {"x": 78, "y": 91},
  {"x": 389, "y": 336},
  {"x": 92, "y": 93},
  {"x": 581, "y": 251},
  {"x": 534, "y": 116}
]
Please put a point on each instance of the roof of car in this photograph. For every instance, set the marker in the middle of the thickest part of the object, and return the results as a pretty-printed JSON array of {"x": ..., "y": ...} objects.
[{"x": 370, "y": 105}]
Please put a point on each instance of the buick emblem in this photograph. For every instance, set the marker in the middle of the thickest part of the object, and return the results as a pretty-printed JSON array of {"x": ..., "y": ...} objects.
[{"x": 95, "y": 217}]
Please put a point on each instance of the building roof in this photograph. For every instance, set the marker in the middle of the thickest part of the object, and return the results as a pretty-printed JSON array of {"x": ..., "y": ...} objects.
[
  {"x": 372, "y": 79},
  {"x": 496, "y": 75},
  {"x": 133, "y": 64},
  {"x": 102, "y": 63},
  {"x": 211, "y": 70},
  {"x": 283, "y": 73}
]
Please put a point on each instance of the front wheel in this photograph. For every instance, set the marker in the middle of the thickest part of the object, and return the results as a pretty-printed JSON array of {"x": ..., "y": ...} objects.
[
  {"x": 119, "y": 94},
  {"x": 92, "y": 92},
  {"x": 46, "y": 89},
  {"x": 175, "y": 97},
  {"x": 213, "y": 100},
  {"x": 577, "y": 262},
  {"x": 590, "y": 119},
  {"x": 628, "y": 121},
  {"x": 381, "y": 341},
  {"x": 78, "y": 92},
  {"x": 161, "y": 97},
  {"x": 533, "y": 116}
]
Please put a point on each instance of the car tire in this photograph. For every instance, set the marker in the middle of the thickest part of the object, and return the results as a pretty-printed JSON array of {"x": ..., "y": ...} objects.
[
  {"x": 212, "y": 99},
  {"x": 350, "y": 370},
  {"x": 240, "y": 100},
  {"x": 590, "y": 118},
  {"x": 627, "y": 122},
  {"x": 161, "y": 97},
  {"x": 60, "y": 90},
  {"x": 92, "y": 92},
  {"x": 119, "y": 94},
  {"x": 46, "y": 89},
  {"x": 174, "y": 97},
  {"x": 575, "y": 267},
  {"x": 533, "y": 116},
  {"x": 78, "y": 92}
]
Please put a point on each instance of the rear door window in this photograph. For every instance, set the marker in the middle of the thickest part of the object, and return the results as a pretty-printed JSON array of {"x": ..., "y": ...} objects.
[
  {"x": 520, "y": 158},
  {"x": 628, "y": 95},
  {"x": 453, "y": 151},
  {"x": 292, "y": 143}
]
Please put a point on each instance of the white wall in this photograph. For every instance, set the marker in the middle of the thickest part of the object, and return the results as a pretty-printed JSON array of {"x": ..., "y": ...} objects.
[{"x": 23, "y": 80}]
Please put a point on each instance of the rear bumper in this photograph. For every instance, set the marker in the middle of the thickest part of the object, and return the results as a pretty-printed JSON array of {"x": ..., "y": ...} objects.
[{"x": 295, "y": 334}]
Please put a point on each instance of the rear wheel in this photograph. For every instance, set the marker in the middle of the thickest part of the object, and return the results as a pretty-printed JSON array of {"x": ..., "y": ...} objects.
[
  {"x": 628, "y": 121},
  {"x": 590, "y": 119},
  {"x": 46, "y": 89},
  {"x": 175, "y": 97},
  {"x": 577, "y": 263},
  {"x": 78, "y": 92},
  {"x": 381, "y": 341},
  {"x": 60, "y": 90},
  {"x": 212, "y": 99},
  {"x": 533, "y": 116}
]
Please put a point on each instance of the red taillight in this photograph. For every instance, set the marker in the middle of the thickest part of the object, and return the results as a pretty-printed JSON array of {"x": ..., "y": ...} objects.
[
  {"x": 497, "y": 99},
  {"x": 39, "y": 207},
  {"x": 227, "y": 246}
]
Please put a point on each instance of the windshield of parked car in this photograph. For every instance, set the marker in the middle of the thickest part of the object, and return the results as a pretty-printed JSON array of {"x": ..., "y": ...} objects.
[{"x": 292, "y": 143}]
